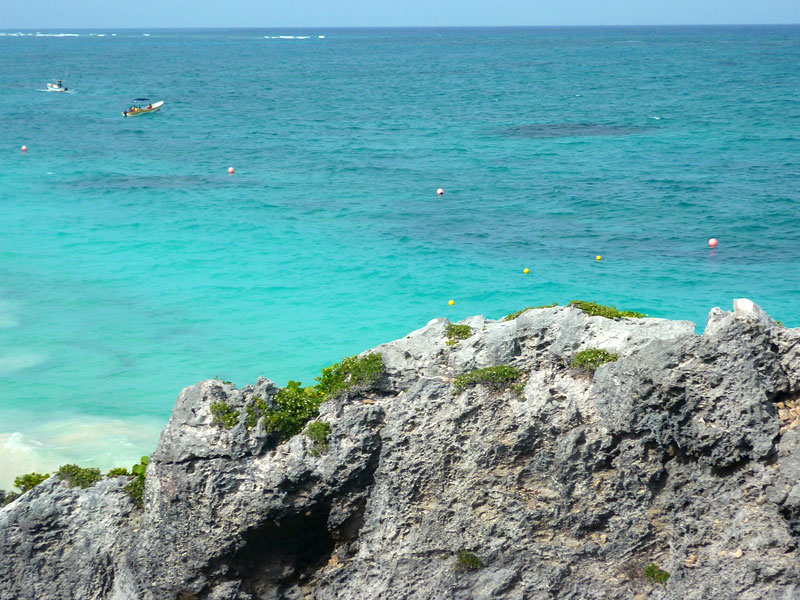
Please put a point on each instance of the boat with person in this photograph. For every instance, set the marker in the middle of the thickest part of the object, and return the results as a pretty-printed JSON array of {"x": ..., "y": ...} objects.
[
  {"x": 57, "y": 86},
  {"x": 138, "y": 107}
]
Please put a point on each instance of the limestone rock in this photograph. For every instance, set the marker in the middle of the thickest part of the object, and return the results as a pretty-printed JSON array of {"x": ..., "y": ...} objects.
[{"x": 564, "y": 484}]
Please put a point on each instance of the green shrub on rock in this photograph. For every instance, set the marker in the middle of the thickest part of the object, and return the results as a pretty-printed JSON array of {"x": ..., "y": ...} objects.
[
  {"x": 7, "y": 497},
  {"x": 514, "y": 315},
  {"x": 495, "y": 376},
  {"x": 29, "y": 481},
  {"x": 224, "y": 414},
  {"x": 135, "y": 488},
  {"x": 655, "y": 573},
  {"x": 297, "y": 405},
  {"x": 467, "y": 561},
  {"x": 592, "y": 358},
  {"x": 351, "y": 372},
  {"x": 593, "y": 309},
  {"x": 76, "y": 476},
  {"x": 118, "y": 472},
  {"x": 456, "y": 332},
  {"x": 318, "y": 433},
  {"x": 255, "y": 410}
]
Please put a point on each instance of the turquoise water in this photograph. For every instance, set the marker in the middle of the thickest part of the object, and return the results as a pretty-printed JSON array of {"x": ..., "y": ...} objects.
[{"x": 132, "y": 264}]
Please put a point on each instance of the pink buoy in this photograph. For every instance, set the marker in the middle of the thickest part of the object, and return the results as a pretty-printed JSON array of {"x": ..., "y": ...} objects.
[
  {"x": 713, "y": 242},
  {"x": 24, "y": 148},
  {"x": 231, "y": 170},
  {"x": 440, "y": 192}
]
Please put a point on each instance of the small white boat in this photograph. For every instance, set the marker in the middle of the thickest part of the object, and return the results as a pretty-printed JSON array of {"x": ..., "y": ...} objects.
[
  {"x": 139, "y": 108},
  {"x": 58, "y": 86}
]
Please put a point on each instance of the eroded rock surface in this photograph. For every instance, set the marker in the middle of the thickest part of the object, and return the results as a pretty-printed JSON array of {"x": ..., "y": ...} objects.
[{"x": 685, "y": 454}]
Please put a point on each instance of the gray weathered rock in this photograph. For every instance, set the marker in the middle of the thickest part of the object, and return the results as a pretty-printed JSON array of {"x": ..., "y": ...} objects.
[{"x": 684, "y": 453}]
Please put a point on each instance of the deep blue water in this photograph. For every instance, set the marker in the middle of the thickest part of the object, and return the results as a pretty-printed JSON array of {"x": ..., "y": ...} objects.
[{"x": 132, "y": 264}]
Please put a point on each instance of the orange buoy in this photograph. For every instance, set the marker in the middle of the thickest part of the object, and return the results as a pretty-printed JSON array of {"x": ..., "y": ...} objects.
[{"x": 231, "y": 170}]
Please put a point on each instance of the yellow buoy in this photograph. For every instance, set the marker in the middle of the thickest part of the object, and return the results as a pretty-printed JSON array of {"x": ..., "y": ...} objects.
[
  {"x": 452, "y": 303},
  {"x": 598, "y": 257},
  {"x": 526, "y": 270}
]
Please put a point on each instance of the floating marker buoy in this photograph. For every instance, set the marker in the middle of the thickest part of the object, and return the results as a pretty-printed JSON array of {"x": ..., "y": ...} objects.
[
  {"x": 526, "y": 270},
  {"x": 440, "y": 192},
  {"x": 713, "y": 242},
  {"x": 598, "y": 257},
  {"x": 24, "y": 148},
  {"x": 231, "y": 170},
  {"x": 452, "y": 303}
]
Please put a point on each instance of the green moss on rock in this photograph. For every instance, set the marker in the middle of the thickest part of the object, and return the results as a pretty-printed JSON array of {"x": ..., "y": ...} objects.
[
  {"x": 456, "y": 332},
  {"x": 495, "y": 376},
  {"x": 76, "y": 476},
  {"x": 514, "y": 315},
  {"x": 224, "y": 414},
  {"x": 591, "y": 358},
  {"x": 593, "y": 309}
]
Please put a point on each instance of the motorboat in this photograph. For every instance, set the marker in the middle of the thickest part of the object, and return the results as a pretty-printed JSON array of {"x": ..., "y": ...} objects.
[
  {"x": 138, "y": 107},
  {"x": 58, "y": 86}
]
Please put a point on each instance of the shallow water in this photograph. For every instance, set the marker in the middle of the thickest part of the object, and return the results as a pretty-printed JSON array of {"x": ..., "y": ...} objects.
[{"x": 132, "y": 264}]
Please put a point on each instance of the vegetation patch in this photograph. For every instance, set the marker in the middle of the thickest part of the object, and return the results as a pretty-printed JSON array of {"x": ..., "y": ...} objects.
[
  {"x": 455, "y": 333},
  {"x": 318, "y": 433},
  {"x": 514, "y": 315},
  {"x": 297, "y": 405},
  {"x": 29, "y": 481},
  {"x": 135, "y": 488},
  {"x": 494, "y": 376},
  {"x": 294, "y": 406},
  {"x": 7, "y": 497},
  {"x": 255, "y": 410},
  {"x": 76, "y": 476},
  {"x": 654, "y": 573},
  {"x": 593, "y": 309},
  {"x": 351, "y": 372},
  {"x": 224, "y": 414},
  {"x": 118, "y": 472},
  {"x": 592, "y": 358},
  {"x": 467, "y": 561}
]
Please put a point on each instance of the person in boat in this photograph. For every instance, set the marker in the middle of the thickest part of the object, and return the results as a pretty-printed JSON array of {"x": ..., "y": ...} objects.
[{"x": 149, "y": 106}]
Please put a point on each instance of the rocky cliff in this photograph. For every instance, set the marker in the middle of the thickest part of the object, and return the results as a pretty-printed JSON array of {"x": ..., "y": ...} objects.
[{"x": 672, "y": 472}]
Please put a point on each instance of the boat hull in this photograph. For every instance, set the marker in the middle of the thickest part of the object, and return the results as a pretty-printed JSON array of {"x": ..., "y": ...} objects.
[{"x": 155, "y": 107}]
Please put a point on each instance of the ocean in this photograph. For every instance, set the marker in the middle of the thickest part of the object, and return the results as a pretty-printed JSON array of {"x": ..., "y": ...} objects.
[{"x": 132, "y": 264}]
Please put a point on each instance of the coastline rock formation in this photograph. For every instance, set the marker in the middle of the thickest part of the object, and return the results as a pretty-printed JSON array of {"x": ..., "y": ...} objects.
[{"x": 670, "y": 473}]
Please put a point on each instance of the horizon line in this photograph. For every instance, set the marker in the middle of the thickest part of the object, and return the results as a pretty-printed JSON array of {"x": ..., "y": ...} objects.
[{"x": 242, "y": 27}]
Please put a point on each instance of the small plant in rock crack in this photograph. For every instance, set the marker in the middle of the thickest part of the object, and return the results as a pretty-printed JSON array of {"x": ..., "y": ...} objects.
[
  {"x": 590, "y": 359},
  {"x": 654, "y": 573},
  {"x": 224, "y": 414},
  {"x": 76, "y": 476},
  {"x": 29, "y": 481},
  {"x": 499, "y": 376},
  {"x": 135, "y": 488},
  {"x": 455, "y": 333},
  {"x": 467, "y": 561},
  {"x": 118, "y": 472},
  {"x": 318, "y": 433},
  {"x": 593, "y": 309},
  {"x": 514, "y": 315}
]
